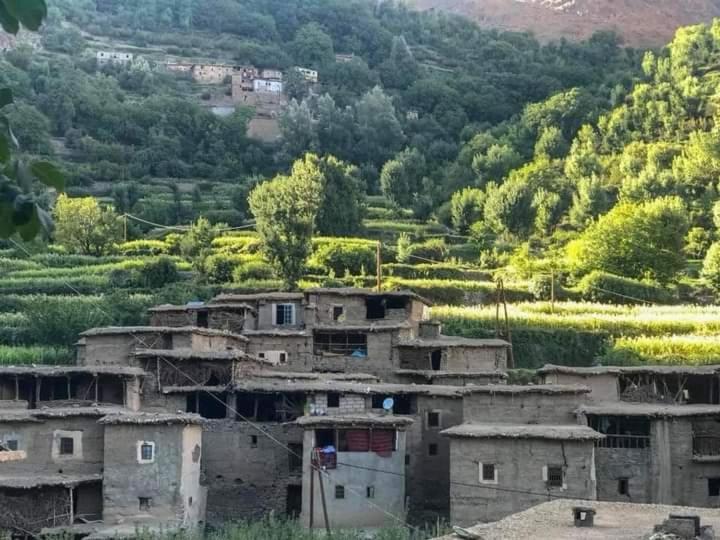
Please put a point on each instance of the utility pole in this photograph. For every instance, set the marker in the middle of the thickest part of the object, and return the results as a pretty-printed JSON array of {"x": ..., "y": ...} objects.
[
  {"x": 378, "y": 265},
  {"x": 552, "y": 291},
  {"x": 324, "y": 503},
  {"x": 125, "y": 227}
]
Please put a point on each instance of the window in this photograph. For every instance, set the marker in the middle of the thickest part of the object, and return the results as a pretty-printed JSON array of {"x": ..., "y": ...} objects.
[
  {"x": 284, "y": 314},
  {"x": 253, "y": 441},
  {"x": 436, "y": 360},
  {"x": 10, "y": 445},
  {"x": 146, "y": 452},
  {"x": 67, "y": 446},
  {"x": 714, "y": 487},
  {"x": 370, "y": 492},
  {"x": 283, "y": 358},
  {"x": 333, "y": 400},
  {"x": 324, "y": 437},
  {"x": 144, "y": 504},
  {"x": 202, "y": 319},
  {"x": 554, "y": 476},
  {"x": 433, "y": 419},
  {"x": 488, "y": 473},
  {"x": 407, "y": 459},
  {"x": 339, "y": 492},
  {"x": 337, "y": 312},
  {"x": 432, "y": 449},
  {"x": 623, "y": 486}
]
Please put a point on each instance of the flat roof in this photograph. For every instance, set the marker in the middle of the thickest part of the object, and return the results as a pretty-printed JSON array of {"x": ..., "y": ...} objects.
[
  {"x": 355, "y": 420},
  {"x": 199, "y": 307},
  {"x": 225, "y": 298},
  {"x": 122, "y": 330},
  {"x": 624, "y": 408},
  {"x": 372, "y": 327},
  {"x": 357, "y": 291},
  {"x": 34, "y": 481},
  {"x": 140, "y": 418},
  {"x": 277, "y": 332},
  {"x": 253, "y": 384},
  {"x": 317, "y": 376},
  {"x": 57, "y": 371},
  {"x": 452, "y": 341},
  {"x": 65, "y": 411},
  {"x": 550, "y": 389},
  {"x": 613, "y": 521},
  {"x": 473, "y": 430},
  {"x": 193, "y": 354},
  {"x": 431, "y": 374},
  {"x": 615, "y": 370}
]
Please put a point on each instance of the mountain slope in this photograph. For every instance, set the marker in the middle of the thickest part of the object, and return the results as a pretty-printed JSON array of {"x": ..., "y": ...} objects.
[{"x": 639, "y": 22}]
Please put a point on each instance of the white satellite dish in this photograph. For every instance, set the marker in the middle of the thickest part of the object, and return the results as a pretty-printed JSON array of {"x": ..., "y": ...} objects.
[{"x": 388, "y": 404}]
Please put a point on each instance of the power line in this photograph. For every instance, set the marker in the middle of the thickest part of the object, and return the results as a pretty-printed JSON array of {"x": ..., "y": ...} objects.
[{"x": 185, "y": 228}]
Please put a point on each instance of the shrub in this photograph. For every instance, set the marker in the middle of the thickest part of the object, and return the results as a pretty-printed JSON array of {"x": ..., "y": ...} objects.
[
  {"x": 155, "y": 274},
  {"x": 341, "y": 258},
  {"x": 13, "y": 356},
  {"x": 252, "y": 270},
  {"x": 434, "y": 271},
  {"x": 144, "y": 247},
  {"x": 602, "y": 287},
  {"x": 711, "y": 267},
  {"x": 697, "y": 242},
  {"x": 433, "y": 250}
]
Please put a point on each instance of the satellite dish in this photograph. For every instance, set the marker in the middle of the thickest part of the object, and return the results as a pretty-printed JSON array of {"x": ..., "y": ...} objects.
[{"x": 388, "y": 404}]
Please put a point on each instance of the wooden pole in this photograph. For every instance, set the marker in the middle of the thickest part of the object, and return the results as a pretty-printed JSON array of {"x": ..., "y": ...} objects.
[
  {"x": 72, "y": 507},
  {"x": 125, "y": 227},
  {"x": 552, "y": 291},
  {"x": 324, "y": 503},
  {"x": 313, "y": 464},
  {"x": 378, "y": 265}
]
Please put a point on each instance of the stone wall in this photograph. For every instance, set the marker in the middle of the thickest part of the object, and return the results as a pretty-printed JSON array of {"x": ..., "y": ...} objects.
[
  {"x": 247, "y": 473},
  {"x": 522, "y": 408},
  {"x": 632, "y": 464},
  {"x": 520, "y": 478}
]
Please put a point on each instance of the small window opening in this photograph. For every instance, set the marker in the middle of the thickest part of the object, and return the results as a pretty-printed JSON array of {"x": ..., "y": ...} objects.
[
  {"x": 436, "y": 360},
  {"x": 202, "y": 319},
  {"x": 284, "y": 314},
  {"x": 339, "y": 492},
  {"x": 144, "y": 503},
  {"x": 407, "y": 459},
  {"x": 377, "y": 401},
  {"x": 433, "y": 419},
  {"x": 555, "y": 476},
  {"x": 432, "y": 449},
  {"x": 370, "y": 492},
  {"x": 295, "y": 458},
  {"x": 488, "y": 472},
  {"x": 147, "y": 451},
  {"x": 375, "y": 307},
  {"x": 623, "y": 486},
  {"x": 67, "y": 446},
  {"x": 253, "y": 441},
  {"x": 714, "y": 487},
  {"x": 283, "y": 358},
  {"x": 337, "y": 312},
  {"x": 11, "y": 445},
  {"x": 324, "y": 437},
  {"x": 333, "y": 400}
]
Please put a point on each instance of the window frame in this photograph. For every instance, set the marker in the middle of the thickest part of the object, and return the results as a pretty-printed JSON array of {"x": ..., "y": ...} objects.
[
  {"x": 141, "y": 445},
  {"x": 284, "y": 306},
  {"x": 433, "y": 450},
  {"x": 550, "y": 479},
  {"x": 339, "y": 492},
  {"x": 63, "y": 446},
  {"x": 481, "y": 473},
  {"x": 145, "y": 504},
  {"x": 623, "y": 486},
  {"x": 433, "y": 414},
  {"x": 713, "y": 484}
]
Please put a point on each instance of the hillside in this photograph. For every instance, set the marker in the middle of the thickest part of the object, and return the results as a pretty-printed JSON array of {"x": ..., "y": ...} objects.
[{"x": 640, "y": 23}]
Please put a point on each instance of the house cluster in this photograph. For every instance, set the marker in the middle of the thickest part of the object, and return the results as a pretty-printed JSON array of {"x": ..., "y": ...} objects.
[
  {"x": 345, "y": 405},
  {"x": 113, "y": 57}
]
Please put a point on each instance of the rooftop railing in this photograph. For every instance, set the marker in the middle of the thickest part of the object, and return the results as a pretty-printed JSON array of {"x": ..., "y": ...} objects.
[
  {"x": 705, "y": 445},
  {"x": 630, "y": 442}
]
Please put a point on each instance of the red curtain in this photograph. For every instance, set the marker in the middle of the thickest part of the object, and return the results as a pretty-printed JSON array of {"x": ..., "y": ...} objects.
[
  {"x": 358, "y": 440},
  {"x": 383, "y": 442}
]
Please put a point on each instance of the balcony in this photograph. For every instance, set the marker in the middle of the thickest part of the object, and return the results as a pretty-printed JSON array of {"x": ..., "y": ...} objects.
[
  {"x": 706, "y": 447},
  {"x": 629, "y": 442}
]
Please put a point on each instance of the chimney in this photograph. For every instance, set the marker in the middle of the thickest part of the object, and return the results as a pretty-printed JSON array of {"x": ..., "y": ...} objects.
[{"x": 430, "y": 329}]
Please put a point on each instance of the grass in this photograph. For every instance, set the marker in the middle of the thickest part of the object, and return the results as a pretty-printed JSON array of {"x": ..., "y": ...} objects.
[
  {"x": 687, "y": 350},
  {"x": 13, "y": 356}
]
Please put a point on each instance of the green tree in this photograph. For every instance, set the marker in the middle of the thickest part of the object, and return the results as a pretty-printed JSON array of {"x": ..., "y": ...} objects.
[
  {"x": 285, "y": 210},
  {"x": 711, "y": 267},
  {"x": 343, "y": 196},
  {"x": 589, "y": 201},
  {"x": 196, "y": 245},
  {"x": 466, "y": 207},
  {"x": 551, "y": 143},
  {"x": 495, "y": 163},
  {"x": 401, "y": 177},
  {"x": 312, "y": 46},
  {"x": 635, "y": 240},
  {"x": 83, "y": 226}
]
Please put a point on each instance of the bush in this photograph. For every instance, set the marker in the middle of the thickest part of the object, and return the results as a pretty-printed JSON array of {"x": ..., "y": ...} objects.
[
  {"x": 541, "y": 288},
  {"x": 252, "y": 270},
  {"x": 342, "y": 257},
  {"x": 433, "y": 250},
  {"x": 711, "y": 267},
  {"x": 602, "y": 287},
  {"x": 13, "y": 356},
  {"x": 697, "y": 242},
  {"x": 434, "y": 271},
  {"x": 156, "y": 274},
  {"x": 144, "y": 247}
]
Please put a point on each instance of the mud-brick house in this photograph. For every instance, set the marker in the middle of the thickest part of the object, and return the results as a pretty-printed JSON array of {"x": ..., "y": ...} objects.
[
  {"x": 642, "y": 384},
  {"x": 355, "y": 471},
  {"x": 656, "y": 453},
  {"x": 34, "y": 387},
  {"x": 59, "y": 467},
  {"x": 518, "y": 446}
]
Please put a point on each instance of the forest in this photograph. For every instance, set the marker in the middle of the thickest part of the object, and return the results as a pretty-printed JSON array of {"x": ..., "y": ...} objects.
[{"x": 584, "y": 175}]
